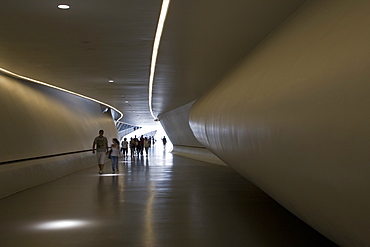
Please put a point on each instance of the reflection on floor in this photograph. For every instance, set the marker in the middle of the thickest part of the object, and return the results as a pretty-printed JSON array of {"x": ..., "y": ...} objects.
[{"x": 163, "y": 200}]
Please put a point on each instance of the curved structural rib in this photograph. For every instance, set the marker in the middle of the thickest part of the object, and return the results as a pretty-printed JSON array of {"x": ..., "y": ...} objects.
[
  {"x": 157, "y": 41},
  {"x": 293, "y": 118}
]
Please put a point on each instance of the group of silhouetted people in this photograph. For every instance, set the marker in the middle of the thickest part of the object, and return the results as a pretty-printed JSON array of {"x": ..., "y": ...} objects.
[{"x": 137, "y": 147}]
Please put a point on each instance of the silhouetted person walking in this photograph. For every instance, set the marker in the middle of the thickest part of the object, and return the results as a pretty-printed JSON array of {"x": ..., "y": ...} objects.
[{"x": 101, "y": 144}]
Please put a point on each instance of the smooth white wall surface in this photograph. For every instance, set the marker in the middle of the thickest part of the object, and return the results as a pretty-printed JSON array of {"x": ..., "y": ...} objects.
[
  {"x": 293, "y": 117},
  {"x": 176, "y": 125},
  {"x": 202, "y": 154},
  {"x": 40, "y": 121}
]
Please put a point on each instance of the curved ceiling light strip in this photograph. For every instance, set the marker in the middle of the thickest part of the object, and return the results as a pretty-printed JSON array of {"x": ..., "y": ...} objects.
[
  {"x": 157, "y": 40},
  {"x": 59, "y": 88}
]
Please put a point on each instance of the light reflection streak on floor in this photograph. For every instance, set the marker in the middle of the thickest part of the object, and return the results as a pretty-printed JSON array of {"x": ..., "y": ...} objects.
[
  {"x": 149, "y": 221},
  {"x": 162, "y": 200}
]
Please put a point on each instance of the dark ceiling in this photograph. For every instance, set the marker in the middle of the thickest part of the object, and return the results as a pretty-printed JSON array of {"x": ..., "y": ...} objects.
[{"x": 82, "y": 48}]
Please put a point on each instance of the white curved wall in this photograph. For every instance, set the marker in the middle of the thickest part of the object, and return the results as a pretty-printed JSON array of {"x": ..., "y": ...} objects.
[
  {"x": 40, "y": 121},
  {"x": 293, "y": 117},
  {"x": 176, "y": 125}
]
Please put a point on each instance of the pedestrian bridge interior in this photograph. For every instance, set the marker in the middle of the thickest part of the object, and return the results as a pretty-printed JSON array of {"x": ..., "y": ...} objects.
[
  {"x": 162, "y": 200},
  {"x": 264, "y": 102}
]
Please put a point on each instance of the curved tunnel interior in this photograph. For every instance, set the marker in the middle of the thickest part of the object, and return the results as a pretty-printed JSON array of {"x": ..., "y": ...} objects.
[{"x": 287, "y": 111}]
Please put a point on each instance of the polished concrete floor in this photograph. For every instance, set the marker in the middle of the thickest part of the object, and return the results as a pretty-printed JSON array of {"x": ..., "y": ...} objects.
[{"x": 163, "y": 200}]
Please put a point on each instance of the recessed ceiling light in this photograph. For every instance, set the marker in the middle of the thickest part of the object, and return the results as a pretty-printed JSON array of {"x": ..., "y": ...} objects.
[
  {"x": 126, "y": 101},
  {"x": 110, "y": 81},
  {"x": 63, "y": 6}
]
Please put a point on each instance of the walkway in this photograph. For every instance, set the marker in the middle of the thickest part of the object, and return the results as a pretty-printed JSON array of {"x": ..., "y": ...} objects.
[{"x": 163, "y": 200}]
